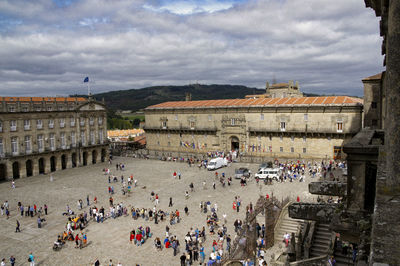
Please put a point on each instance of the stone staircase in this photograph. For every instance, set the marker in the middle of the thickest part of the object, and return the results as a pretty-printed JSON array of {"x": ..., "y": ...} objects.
[
  {"x": 286, "y": 225},
  {"x": 343, "y": 260},
  {"x": 322, "y": 239}
]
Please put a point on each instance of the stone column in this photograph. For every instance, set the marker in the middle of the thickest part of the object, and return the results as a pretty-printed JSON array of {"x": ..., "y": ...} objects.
[
  {"x": 392, "y": 121},
  {"x": 35, "y": 166},
  {"x": 9, "y": 171},
  {"x": 22, "y": 168}
]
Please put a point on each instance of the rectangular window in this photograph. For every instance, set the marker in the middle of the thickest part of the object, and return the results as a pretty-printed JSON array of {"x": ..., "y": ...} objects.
[
  {"x": 209, "y": 117},
  {"x": 169, "y": 135},
  {"x": 306, "y": 117},
  {"x": 25, "y": 109},
  {"x": 27, "y": 124},
  {"x": 374, "y": 105},
  {"x": 49, "y": 108},
  {"x": 292, "y": 138},
  {"x": 1, "y": 126},
  {"x": 11, "y": 108},
  {"x": 62, "y": 138},
  {"x": 339, "y": 126},
  {"x": 291, "y": 149},
  {"x": 233, "y": 121},
  {"x": 281, "y": 138},
  {"x": 91, "y": 121},
  {"x": 164, "y": 124},
  {"x": 283, "y": 126},
  {"x": 13, "y": 125},
  {"x": 281, "y": 149},
  {"x": 40, "y": 143},
  {"x": 60, "y": 107},
  {"x": 101, "y": 136},
  {"x": 92, "y": 138},
  {"x": 192, "y": 124},
  {"x": 82, "y": 121},
  {"x": 83, "y": 139},
  {"x": 304, "y": 150},
  {"x": 28, "y": 147},
  {"x": 72, "y": 121},
  {"x": 100, "y": 120},
  {"x": 262, "y": 117},
  {"x": 51, "y": 123},
  {"x": 176, "y": 117},
  {"x": 62, "y": 122},
  {"x": 14, "y": 145},
  {"x": 73, "y": 139},
  {"x": 304, "y": 138},
  {"x": 52, "y": 142},
  {"x": 259, "y": 138},
  {"x": 39, "y": 124},
  {"x": 38, "y": 108}
]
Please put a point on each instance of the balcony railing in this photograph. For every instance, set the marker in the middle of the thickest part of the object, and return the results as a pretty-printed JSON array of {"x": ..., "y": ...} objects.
[
  {"x": 27, "y": 127},
  {"x": 72, "y": 124},
  {"x": 62, "y": 125},
  {"x": 82, "y": 123},
  {"x": 13, "y": 128},
  {"x": 91, "y": 123},
  {"x": 15, "y": 153},
  {"x": 51, "y": 125},
  {"x": 39, "y": 126},
  {"x": 28, "y": 151},
  {"x": 53, "y": 148}
]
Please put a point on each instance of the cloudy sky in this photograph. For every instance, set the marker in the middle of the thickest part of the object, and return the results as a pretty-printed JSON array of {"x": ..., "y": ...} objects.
[{"x": 48, "y": 47}]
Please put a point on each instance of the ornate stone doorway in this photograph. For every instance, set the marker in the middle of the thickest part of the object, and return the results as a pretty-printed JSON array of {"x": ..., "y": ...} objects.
[
  {"x": 73, "y": 159},
  {"x": 85, "y": 155},
  {"x": 103, "y": 155}
]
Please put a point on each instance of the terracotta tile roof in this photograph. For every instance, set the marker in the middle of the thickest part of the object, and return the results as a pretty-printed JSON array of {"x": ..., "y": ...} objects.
[
  {"x": 374, "y": 77},
  {"x": 318, "y": 101},
  {"x": 40, "y": 99}
]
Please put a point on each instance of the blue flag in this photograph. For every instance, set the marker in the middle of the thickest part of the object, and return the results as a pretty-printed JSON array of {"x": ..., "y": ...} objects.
[{"x": 86, "y": 80}]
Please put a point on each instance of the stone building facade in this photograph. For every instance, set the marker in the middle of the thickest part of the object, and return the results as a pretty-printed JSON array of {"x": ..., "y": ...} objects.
[
  {"x": 283, "y": 90},
  {"x": 298, "y": 127},
  {"x": 44, "y": 134},
  {"x": 374, "y": 102}
]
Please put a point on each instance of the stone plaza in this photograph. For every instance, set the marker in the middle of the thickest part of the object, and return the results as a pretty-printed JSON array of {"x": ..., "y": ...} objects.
[{"x": 110, "y": 240}]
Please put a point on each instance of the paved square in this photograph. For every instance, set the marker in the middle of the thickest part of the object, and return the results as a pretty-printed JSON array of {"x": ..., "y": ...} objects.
[{"x": 110, "y": 240}]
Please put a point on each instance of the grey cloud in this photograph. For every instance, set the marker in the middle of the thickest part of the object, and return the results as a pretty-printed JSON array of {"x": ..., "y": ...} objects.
[{"x": 327, "y": 47}]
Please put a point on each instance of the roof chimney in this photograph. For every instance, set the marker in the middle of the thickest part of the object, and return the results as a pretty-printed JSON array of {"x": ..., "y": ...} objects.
[{"x": 188, "y": 96}]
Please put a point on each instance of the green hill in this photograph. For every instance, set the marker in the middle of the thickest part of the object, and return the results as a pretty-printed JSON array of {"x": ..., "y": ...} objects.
[{"x": 136, "y": 99}]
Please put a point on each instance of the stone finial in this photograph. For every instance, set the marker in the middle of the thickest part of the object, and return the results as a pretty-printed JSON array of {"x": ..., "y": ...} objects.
[
  {"x": 290, "y": 84},
  {"x": 267, "y": 85},
  {"x": 188, "y": 96},
  {"x": 297, "y": 85}
]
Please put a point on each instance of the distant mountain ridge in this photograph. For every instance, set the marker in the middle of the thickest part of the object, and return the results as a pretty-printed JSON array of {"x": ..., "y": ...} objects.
[{"x": 136, "y": 99}]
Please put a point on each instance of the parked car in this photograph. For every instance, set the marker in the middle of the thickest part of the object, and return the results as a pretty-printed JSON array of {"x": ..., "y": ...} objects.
[
  {"x": 242, "y": 172},
  {"x": 217, "y": 163},
  {"x": 270, "y": 173}
]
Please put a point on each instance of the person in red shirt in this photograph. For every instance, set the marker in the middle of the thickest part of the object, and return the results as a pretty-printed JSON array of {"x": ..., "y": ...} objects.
[
  {"x": 177, "y": 216},
  {"x": 77, "y": 240},
  {"x": 139, "y": 239},
  {"x": 132, "y": 236},
  {"x": 34, "y": 208}
]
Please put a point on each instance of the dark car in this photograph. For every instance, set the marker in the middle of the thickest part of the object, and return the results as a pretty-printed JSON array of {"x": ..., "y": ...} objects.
[
  {"x": 242, "y": 172},
  {"x": 265, "y": 165}
]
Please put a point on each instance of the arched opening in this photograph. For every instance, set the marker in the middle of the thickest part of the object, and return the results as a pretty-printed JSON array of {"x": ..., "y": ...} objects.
[
  {"x": 52, "y": 163},
  {"x": 3, "y": 172},
  {"x": 85, "y": 154},
  {"x": 41, "y": 166},
  {"x": 94, "y": 157},
  {"x": 15, "y": 167},
  {"x": 234, "y": 144},
  {"x": 63, "y": 161},
  {"x": 103, "y": 155},
  {"x": 29, "y": 168},
  {"x": 73, "y": 159}
]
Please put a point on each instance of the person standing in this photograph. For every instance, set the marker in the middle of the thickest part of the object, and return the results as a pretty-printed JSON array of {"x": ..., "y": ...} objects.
[
  {"x": 87, "y": 200},
  {"x": 170, "y": 202},
  {"x": 45, "y": 209},
  {"x": 31, "y": 259},
  {"x": 39, "y": 222},
  {"x": 3, "y": 262},
  {"x": 17, "y": 228},
  {"x": 12, "y": 260}
]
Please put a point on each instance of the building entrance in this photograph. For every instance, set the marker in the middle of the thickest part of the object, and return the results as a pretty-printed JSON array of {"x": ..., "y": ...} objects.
[
  {"x": 52, "y": 163},
  {"x": 234, "y": 144},
  {"x": 63, "y": 161},
  {"x": 29, "y": 168},
  {"x": 41, "y": 166},
  {"x": 15, "y": 167},
  {"x": 3, "y": 172}
]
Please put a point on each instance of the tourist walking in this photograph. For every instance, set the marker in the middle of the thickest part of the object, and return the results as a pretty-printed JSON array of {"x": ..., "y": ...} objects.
[
  {"x": 31, "y": 259},
  {"x": 17, "y": 229}
]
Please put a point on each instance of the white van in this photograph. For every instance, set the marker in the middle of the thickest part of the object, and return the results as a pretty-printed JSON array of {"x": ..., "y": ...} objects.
[
  {"x": 270, "y": 173},
  {"x": 217, "y": 163}
]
